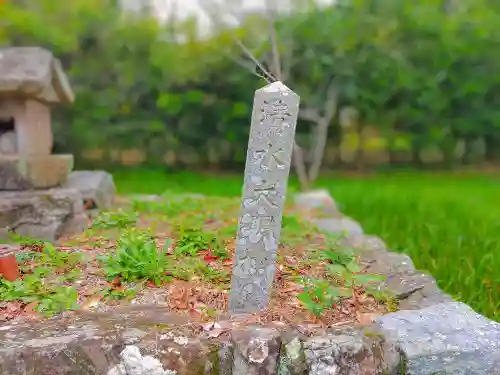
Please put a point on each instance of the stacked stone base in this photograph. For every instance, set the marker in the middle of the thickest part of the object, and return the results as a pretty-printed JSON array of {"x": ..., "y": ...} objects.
[
  {"x": 42, "y": 214},
  {"x": 25, "y": 172}
]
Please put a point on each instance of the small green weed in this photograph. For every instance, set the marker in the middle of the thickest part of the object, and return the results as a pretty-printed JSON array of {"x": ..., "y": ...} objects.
[
  {"x": 294, "y": 230},
  {"x": 26, "y": 242},
  {"x": 190, "y": 267},
  {"x": 344, "y": 278},
  {"x": 319, "y": 295},
  {"x": 115, "y": 294},
  {"x": 138, "y": 258},
  {"x": 171, "y": 205},
  {"x": 115, "y": 219},
  {"x": 192, "y": 241},
  {"x": 51, "y": 257},
  {"x": 45, "y": 281}
]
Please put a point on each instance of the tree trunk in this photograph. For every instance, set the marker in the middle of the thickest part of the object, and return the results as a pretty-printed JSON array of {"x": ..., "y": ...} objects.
[
  {"x": 492, "y": 144},
  {"x": 415, "y": 152},
  {"x": 359, "y": 160},
  {"x": 300, "y": 166},
  {"x": 448, "y": 149},
  {"x": 319, "y": 150},
  {"x": 391, "y": 145},
  {"x": 466, "y": 158}
]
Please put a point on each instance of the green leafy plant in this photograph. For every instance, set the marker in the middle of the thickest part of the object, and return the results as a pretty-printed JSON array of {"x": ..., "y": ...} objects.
[
  {"x": 114, "y": 219},
  {"x": 26, "y": 242},
  {"x": 48, "y": 296},
  {"x": 52, "y": 257},
  {"x": 27, "y": 256},
  {"x": 190, "y": 267},
  {"x": 114, "y": 294},
  {"x": 138, "y": 258},
  {"x": 192, "y": 241},
  {"x": 319, "y": 295},
  {"x": 344, "y": 277},
  {"x": 294, "y": 230}
]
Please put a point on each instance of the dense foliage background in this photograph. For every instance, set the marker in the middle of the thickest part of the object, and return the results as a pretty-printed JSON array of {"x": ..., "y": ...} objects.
[{"x": 423, "y": 75}]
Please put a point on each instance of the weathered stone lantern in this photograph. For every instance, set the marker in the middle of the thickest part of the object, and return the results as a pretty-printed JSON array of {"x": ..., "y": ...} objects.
[
  {"x": 31, "y": 81},
  {"x": 39, "y": 195}
]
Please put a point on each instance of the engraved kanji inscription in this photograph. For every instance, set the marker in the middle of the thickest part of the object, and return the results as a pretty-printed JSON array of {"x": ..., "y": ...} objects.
[
  {"x": 270, "y": 157},
  {"x": 276, "y": 110},
  {"x": 254, "y": 229},
  {"x": 265, "y": 197},
  {"x": 267, "y": 167}
]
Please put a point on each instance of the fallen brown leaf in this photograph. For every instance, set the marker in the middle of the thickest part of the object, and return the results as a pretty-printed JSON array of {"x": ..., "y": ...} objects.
[
  {"x": 30, "y": 307},
  {"x": 367, "y": 318}
]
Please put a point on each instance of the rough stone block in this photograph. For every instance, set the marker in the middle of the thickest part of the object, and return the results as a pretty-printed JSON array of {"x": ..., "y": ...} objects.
[
  {"x": 349, "y": 351},
  {"x": 292, "y": 358},
  {"x": 427, "y": 296},
  {"x": 339, "y": 226},
  {"x": 256, "y": 351},
  {"x": 448, "y": 338},
  {"x": 320, "y": 200},
  {"x": 364, "y": 243},
  {"x": 75, "y": 225},
  {"x": 387, "y": 263},
  {"x": 97, "y": 188},
  {"x": 22, "y": 172},
  {"x": 41, "y": 214}
]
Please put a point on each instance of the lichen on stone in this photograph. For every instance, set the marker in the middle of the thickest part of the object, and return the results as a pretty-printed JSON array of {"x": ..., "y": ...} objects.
[{"x": 133, "y": 363}]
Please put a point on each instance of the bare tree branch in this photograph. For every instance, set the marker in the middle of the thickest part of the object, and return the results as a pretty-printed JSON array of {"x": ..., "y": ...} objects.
[
  {"x": 276, "y": 63},
  {"x": 249, "y": 54},
  {"x": 319, "y": 149},
  {"x": 299, "y": 164},
  {"x": 212, "y": 9},
  {"x": 246, "y": 65},
  {"x": 310, "y": 114}
]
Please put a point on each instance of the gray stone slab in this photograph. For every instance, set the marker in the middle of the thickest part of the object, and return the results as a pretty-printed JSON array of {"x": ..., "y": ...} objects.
[
  {"x": 41, "y": 214},
  {"x": 363, "y": 242},
  {"x": 320, "y": 200},
  {"x": 404, "y": 284},
  {"x": 256, "y": 351},
  {"x": 448, "y": 338},
  {"x": 429, "y": 295},
  {"x": 97, "y": 188},
  {"x": 386, "y": 263},
  {"x": 269, "y": 156},
  {"x": 339, "y": 226},
  {"x": 349, "y": 351}
]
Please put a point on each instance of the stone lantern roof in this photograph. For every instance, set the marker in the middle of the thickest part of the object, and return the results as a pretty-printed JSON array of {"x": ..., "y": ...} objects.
[{"x": 33, "y": 73}]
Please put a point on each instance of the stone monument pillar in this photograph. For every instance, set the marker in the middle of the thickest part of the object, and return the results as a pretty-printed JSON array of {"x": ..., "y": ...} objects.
[{"x": 269, "y": 155}]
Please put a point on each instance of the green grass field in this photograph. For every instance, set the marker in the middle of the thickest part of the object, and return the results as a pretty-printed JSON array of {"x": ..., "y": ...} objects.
[{"x": 448, "y": 223}]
